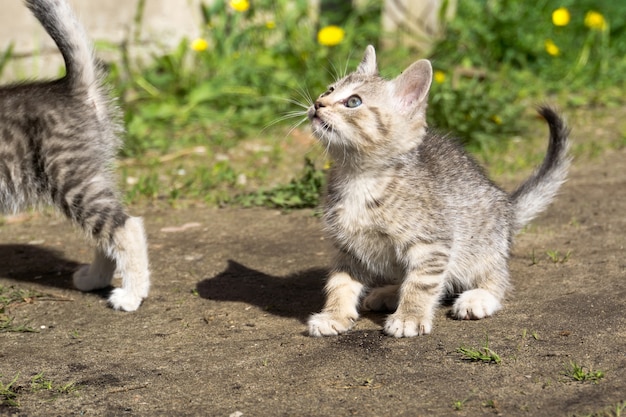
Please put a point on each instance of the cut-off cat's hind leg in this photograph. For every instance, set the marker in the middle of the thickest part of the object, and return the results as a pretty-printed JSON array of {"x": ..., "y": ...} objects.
[
  {"x": 127, "y": 252},
  {"x": 475, "y": 304},
  {"x": 129, "y": 249},
  {"x": 340, "y": 310},
  {"x": 382, "y": 299},
  {"x": 486, "y": 299},
  {"x": 97, "y": 275}
]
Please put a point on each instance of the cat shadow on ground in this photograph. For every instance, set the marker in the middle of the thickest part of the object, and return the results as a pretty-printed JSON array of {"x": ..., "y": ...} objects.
[
  {"x": 296, "y": 295},
  {"x": 39, "y": 265}
]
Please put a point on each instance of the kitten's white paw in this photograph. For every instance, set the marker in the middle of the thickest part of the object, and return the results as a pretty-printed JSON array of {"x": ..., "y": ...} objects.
[
  {"x": 475, "y": 304},
  {"x": 406, "y": 325},
  {"x": 382, "y": 299},
  {"x": 328, "y": 324},
  {"x": 122, "y": 299},
  {"x": 86, "y": 280}
]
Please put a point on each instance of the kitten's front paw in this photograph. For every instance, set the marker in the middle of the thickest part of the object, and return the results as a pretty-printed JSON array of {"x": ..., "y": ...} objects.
[
  {"x": 328, "y": 324},
  {"x": 85, "y": 279},
  {"x": 407, "y": 325},
  {"x": 382, "y": 299},
  {"x": 121, "y": 299},
  {"x": 475, "y": 304}
]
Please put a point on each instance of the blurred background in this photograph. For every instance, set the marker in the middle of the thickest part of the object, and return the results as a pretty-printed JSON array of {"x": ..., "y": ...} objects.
[{"x": 213, "y": 93}]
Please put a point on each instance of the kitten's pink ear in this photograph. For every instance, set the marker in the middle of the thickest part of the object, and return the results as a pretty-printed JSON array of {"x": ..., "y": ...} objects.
[
  {"x": 368, "y": 63},
  {"x": 413, "y": 85}
]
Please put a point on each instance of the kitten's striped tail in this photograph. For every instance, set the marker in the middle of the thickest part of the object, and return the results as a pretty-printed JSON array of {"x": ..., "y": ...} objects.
[
  {"x": 59, "y": 21},
  {"x": 538, "y": 191}
]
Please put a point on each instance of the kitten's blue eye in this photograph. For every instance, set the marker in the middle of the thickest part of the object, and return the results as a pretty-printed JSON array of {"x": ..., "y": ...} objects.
[{"x": 353, "y": 101}]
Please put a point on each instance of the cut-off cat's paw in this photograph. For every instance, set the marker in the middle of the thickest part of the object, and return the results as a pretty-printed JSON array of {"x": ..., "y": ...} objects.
[
  {"x": 475, "y": 304},
  {"x": 381, "y": 299},
  {"x": 328, "y": 324},
  {"x": 122, "y": 299},
  {"x": 407, "y": 325}
]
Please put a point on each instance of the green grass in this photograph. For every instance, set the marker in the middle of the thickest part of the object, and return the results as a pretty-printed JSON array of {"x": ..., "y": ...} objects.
[
  {"x": 9, "y": 392},
  {"x": 484, "y": 354},
  {"x": 260, "y": 68},
  {"x": 303, "y": 192},
  {"x": 38, "y": 383},
  {"x": 458, "y": 405},
  {"x": 556, "y": 257},
  {"x": 615, "y": 410},
  {"x": 579, "y": 373},
  {"x": 7, "y": 325},
  {"x": 11, "y": 296}
]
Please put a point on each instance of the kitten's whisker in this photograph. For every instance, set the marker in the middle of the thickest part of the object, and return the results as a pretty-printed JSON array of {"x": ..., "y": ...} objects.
[
  {"x": 288, "y": 100},
  {"x": 287, "y": 116},
  {"x": 337, "y": 75},
  {"x": 294, "y": 127},
  {"x": 299, "y": 103},
  {"x": 345, "y": 69},
  {"x": 304, "y": 95},
  {"x": 332, "y": 72}
]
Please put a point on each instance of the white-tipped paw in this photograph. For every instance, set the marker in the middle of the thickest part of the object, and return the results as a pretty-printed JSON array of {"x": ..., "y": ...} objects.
[
  {"x": 475, "y": 304},
  {"x": 382, "y": 299},
  {"x": 121, "y": 299},
  {"x": 328, "y": 324},
  {"x": 86, "y": 280},
  {"x": 407, "y": 325}
]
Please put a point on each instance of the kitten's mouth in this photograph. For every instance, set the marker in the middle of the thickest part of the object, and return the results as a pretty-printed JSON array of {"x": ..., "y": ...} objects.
[{"x": 316, "y": 120}]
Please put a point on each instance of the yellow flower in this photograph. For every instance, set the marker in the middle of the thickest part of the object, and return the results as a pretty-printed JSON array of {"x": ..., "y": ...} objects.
[
  {"x": 270, "y": 24},
  {"x": 551, "y": 48},
  {"x": 496, "y": 119},
  {"x": 330, "y": 35},
  {"x": 595, "y": 21},
  {"x": 199, "y": 45},
  {"x": 560, "y": 17},
  {"x": 240, "y": 5},
  {"x": 439, "y": 77}
]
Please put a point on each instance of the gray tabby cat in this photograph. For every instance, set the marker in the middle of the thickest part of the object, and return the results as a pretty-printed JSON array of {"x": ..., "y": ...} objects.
[
  {"x": 412, "y": 216},
  {"x": 58, "y": 141}
]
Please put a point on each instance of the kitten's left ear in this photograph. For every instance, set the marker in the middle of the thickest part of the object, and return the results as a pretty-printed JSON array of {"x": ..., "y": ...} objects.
[
  {"x": 413, "y": 85},
  {"x": 368, "y": 63}
]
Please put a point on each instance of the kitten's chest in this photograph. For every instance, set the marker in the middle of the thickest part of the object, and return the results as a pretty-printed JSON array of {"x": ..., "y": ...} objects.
[{"x": 358, "y": 219}]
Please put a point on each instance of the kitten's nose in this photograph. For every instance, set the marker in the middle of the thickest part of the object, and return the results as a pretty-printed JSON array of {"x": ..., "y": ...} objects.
[{"x": 319, "y": 104}]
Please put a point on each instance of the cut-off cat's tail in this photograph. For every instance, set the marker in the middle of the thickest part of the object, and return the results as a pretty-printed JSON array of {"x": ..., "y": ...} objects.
[
  {"x": 538, "y": 191},
  {"x": 59, "y": 21}
]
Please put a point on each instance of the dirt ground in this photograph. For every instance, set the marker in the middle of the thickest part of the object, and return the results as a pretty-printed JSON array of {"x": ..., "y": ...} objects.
[{"x": 223, "y": 331}]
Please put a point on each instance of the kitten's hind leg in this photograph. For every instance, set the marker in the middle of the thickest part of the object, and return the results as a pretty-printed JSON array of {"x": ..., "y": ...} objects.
[
  {"x": 476, "y": 304},
  {"x": 97, "y": 275},
  {"x": 486, "y": 299},
  {"x": 127, "y": 251},
  {"x": 340, "y": 311},
  {"x": 128, "y": 248},
  {"x": 382, "y": 299}
]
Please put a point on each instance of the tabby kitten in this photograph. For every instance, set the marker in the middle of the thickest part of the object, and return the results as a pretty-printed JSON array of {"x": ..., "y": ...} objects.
[
  {"x": 58, "y": 142},
  {"x": 412, "y": 216}
]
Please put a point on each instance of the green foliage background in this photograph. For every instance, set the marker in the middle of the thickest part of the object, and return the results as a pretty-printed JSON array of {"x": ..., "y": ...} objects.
[{"x": 261, "y": 67}]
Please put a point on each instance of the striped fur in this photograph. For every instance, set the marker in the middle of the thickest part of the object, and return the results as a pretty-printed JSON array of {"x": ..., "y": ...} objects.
[
  {"x": 58, "y": 142},
  {"x": 412, "y": 215}
]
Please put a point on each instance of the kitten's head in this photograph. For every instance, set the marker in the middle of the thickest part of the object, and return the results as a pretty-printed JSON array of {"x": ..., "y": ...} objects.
[{"x": 365, "y": 116}]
